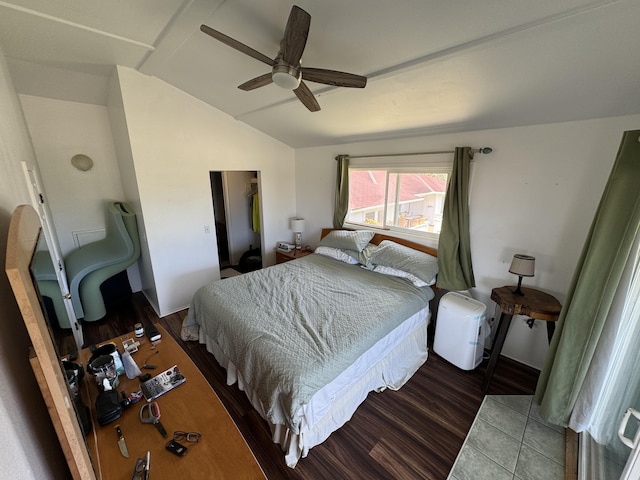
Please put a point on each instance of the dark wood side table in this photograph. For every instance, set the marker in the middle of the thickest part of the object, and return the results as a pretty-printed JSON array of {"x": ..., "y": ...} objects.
[
  {"x": 282, "y": 257},
  {"x": 533, "y": 303}
]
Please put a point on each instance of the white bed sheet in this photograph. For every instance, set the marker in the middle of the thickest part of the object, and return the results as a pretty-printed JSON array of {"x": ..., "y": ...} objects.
[{"x": 387, "y": 364}]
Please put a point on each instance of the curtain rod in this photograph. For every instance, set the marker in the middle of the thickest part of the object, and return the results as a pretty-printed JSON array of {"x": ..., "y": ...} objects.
[{"x": 485, "y": 150}]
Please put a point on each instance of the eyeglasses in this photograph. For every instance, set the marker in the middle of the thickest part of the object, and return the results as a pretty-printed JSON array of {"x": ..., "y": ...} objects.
[
  {"x": 138, "y": 471},
  {"x": 188, "y": 436}
]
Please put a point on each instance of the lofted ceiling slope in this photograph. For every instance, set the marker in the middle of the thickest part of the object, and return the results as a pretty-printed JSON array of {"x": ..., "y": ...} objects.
[{"x": 432, "y": 66}]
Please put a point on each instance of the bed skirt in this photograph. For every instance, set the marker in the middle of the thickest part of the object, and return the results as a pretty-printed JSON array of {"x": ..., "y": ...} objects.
[{"x": 388, "y": 364}]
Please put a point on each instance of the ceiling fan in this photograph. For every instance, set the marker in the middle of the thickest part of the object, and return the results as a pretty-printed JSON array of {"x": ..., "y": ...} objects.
[{"x": 287, "y": 71}]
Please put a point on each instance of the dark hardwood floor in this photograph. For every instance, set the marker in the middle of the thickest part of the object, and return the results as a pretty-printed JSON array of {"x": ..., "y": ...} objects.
[{"x": 414, "y": 433}]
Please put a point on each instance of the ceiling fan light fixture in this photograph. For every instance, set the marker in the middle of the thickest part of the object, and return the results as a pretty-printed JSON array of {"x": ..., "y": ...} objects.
[
  {"x": 286, "y": 68},
  {"x": 286, "y": 76}
]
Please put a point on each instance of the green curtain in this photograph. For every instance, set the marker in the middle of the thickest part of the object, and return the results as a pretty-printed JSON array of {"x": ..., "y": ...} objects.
[
  {"x": 454, "y": 246},
  {"x": 595, "y": 281},
  {"x": 342, "y": 191}
]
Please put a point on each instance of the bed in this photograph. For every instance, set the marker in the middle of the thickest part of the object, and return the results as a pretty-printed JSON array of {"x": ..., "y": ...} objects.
[{"x": 307, "y": 340}]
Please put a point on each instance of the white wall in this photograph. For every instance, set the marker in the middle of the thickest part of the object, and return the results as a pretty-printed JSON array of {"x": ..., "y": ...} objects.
[
  {"x": 175, "y": 140},
  {"x": 117, "y": 120},
  {"x": 59, "y": 130},
  {"x": 535, "y": 194},
  {"x": 30, "y": 448}
]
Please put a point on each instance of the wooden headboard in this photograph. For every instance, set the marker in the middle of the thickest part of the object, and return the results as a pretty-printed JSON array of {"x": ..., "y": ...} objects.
[{"x": 379, "y": 237}]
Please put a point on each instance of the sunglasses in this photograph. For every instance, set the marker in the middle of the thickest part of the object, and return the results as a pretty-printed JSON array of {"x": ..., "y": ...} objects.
[
  {"x": 188, "y": 436},
  {"x": 138, "y": 471}
]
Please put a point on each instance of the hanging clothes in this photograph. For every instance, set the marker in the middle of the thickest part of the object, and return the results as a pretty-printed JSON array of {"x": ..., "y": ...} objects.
[{"x": 255, "y": 213}]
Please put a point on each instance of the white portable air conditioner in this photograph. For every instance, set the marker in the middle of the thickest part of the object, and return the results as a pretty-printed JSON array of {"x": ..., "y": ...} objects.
[{"x": 460, "y": 330}]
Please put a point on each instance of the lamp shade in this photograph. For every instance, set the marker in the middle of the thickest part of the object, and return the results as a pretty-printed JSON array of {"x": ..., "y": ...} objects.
[
  {"x": 297, "y": 224},
  {"x": 523, "y": 265}
]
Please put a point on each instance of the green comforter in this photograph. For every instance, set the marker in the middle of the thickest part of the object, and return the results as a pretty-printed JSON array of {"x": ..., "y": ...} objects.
[{"x": 292, "y": 328}]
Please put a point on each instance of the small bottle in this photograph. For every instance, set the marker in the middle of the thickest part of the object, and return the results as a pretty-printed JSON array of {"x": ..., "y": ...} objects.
[{"x": 138, "y": 330}]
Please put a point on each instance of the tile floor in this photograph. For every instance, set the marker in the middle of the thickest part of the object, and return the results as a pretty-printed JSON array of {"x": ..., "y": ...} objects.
[
  {"x": 508, "y": 440},
  {"x": 229, "y": 272}
]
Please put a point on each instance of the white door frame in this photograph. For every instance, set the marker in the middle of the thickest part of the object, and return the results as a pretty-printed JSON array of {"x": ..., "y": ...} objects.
[
  {"x": 632, "y": 468},
  {"x": 40, "y": 204}
]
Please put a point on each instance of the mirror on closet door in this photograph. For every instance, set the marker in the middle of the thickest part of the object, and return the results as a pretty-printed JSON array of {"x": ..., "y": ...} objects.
[
  {"x": 22, "y": 241},
  {"x": 52, "y": 298}
]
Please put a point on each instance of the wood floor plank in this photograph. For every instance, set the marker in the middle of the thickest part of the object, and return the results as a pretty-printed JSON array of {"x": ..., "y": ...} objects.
[
  {"x": 401, "y": 459},
  {"x": 414, "y": 433}
]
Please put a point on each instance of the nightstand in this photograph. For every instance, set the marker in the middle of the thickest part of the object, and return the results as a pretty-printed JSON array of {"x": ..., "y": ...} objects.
[
  {"x": 282, "y": 257},
  {"x": 533, "y": 303}
]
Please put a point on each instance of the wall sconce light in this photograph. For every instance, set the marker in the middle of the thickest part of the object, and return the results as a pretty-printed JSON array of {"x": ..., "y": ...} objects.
[
  {"x": 297, "y": 225},
  {"x": 82, "y": 162},
  {"x": 523, "y": 266}
]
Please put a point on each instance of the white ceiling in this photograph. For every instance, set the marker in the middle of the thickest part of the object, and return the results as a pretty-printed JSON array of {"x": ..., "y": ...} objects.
[{"x": 433, "y": 66}]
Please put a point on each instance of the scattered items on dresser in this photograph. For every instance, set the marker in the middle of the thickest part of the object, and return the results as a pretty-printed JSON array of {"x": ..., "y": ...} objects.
[
  {"x": 139, "y": 469},
  {"x": 138, "y": 330},
  {"x": 150, "y": 413},
  {"x": 131, "y": 368},
  {"x": 121, "y": 442},
  {"x": 162, "y": 383},
  {"x": 153, "y": 333},
  {"x": 74, "y": 375},
  {"x": 124, "y": 401},
  {"x": 176, "y": 448},
  {"x": 135, "y": 397},
  {"x": 104, "y": 371},
  {"x": 193, "y": 437},
  {"x": 130, "y": 345},
  {"x": 108, "y": 407},
  {"x": 106, "y": 349},
  {"x": 148, "y": 365}
]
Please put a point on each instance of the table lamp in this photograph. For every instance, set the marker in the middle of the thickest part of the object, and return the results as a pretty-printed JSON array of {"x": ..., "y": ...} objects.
[
  {"x": 297, "y": 225},
  {"x": 523, "y": 266}
]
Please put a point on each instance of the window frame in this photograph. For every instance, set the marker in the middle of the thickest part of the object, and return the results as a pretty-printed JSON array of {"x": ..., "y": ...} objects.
[{"x": 407, "y": 165}]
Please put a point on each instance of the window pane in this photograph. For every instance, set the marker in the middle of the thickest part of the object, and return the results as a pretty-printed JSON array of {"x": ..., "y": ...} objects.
[
  {"x": 418, "y": 201},
  {"x": 413, "y": 201},
  {"x": 366, "y": 196},
  {"x": 392, "y": 211}
]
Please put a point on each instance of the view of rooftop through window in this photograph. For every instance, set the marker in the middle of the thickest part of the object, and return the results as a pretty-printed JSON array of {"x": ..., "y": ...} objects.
[{"x": 405, "y": 200}]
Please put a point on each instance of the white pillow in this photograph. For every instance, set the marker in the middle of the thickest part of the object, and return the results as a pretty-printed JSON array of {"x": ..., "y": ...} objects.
[
  {"x": 400, "y": 257},
  {"x": 347, "y": 239},
  {"x": 394, "y": 272},
  {"x": 337, "y": 254}
]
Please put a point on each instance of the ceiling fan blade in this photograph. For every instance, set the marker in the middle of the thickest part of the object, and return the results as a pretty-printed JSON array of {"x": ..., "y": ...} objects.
[
  {"x": 333, "y": 77},
  {"x": 257, "y": 82},
  {"x": 241, "y": 47},
  {"x": 306, "y": 97},
  {"x": 295, "y": 36}
]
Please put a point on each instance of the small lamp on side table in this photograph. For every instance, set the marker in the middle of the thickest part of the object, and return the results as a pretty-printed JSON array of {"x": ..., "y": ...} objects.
[
  {"x": 297, "y": 225},
  {"x": 523, "y": 266}
]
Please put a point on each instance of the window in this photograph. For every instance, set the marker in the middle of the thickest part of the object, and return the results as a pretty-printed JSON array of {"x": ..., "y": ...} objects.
[{"x": 410, "y": 200}]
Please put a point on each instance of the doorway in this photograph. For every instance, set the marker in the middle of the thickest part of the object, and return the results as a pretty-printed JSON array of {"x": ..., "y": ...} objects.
[{"x": 238, "y": 219}]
